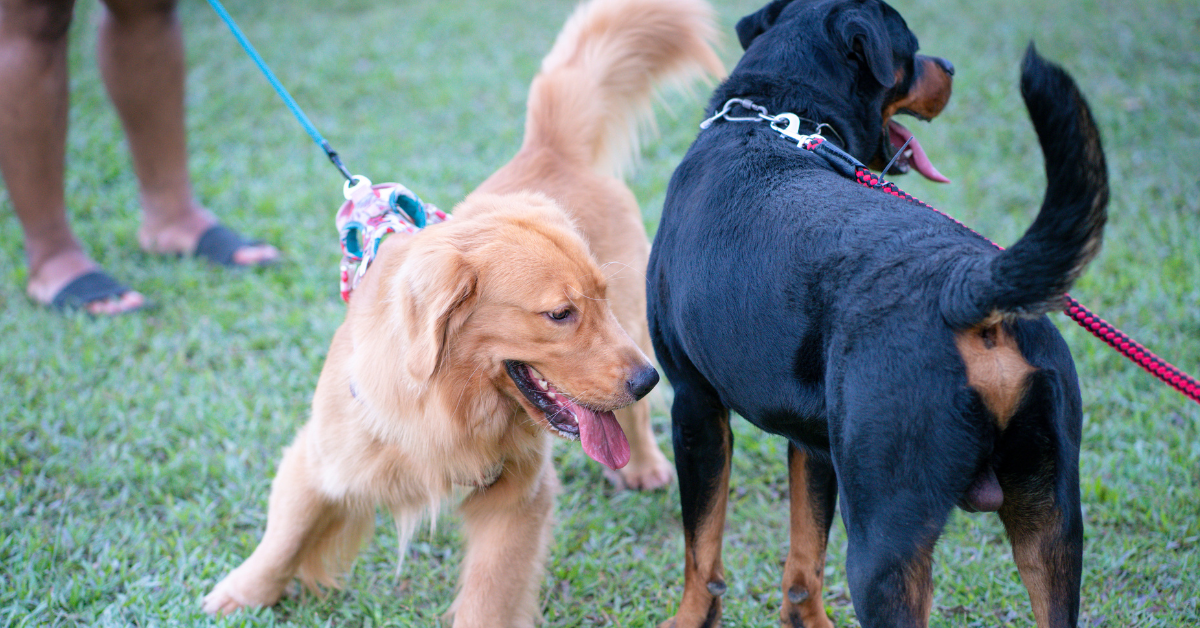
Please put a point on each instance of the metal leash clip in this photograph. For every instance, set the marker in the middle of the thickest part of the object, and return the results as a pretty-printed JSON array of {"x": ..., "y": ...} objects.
[{"x": 791, "y": 128}]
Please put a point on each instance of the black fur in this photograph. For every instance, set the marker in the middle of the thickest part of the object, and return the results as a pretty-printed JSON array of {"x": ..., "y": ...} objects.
[
  {"x": 827, "y": 312},
  {"x": 1031, "y": 277}
]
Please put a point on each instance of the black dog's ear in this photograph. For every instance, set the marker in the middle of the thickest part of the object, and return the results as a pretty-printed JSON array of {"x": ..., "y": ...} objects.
[
  {"x": 864, "y": 39},
  {"x": 759, "y": 22}
]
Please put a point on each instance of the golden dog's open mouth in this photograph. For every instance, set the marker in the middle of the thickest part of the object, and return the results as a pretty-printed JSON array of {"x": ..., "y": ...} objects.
[{"x": 597, "y": 430}]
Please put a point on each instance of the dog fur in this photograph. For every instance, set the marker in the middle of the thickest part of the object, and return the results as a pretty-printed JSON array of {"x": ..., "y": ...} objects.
[
  {"x": 469, "y": 343},
  {"x": 907, "y": 361},
  {"x": 582, "y": 130}
]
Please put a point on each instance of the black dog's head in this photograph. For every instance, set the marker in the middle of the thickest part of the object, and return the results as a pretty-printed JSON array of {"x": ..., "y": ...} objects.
[{"x": 852, "y": 64}]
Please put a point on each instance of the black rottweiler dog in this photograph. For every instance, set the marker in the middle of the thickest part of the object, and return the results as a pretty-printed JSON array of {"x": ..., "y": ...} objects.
[{"x": 907, "y": 360}]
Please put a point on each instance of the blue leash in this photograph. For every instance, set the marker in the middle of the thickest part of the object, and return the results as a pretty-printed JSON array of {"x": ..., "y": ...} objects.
[
  {"x": 366, "y": 217},
  {"x": 282, "y": 91}
]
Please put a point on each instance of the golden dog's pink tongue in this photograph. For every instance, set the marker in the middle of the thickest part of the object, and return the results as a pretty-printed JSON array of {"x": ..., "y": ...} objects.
[
  {"x": 919, "y": 160},
  {"x": 602, "y": 438}
]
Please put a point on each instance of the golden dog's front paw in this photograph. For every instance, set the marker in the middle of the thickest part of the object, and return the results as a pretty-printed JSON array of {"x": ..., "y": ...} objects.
[
  {"x": 220, "y": 602},
  {"x": 237, "y": 591}
]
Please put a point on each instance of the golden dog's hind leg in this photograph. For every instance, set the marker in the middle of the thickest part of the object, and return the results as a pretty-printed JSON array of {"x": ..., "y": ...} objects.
[
  {"x": 507, "y": 527},
  {"x": 648, "y": 468},
  {"x": 307, "y": 534}
]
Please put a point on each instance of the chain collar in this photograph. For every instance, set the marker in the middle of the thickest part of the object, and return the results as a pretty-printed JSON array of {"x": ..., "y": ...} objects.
[{"x": 785, "y": 124}]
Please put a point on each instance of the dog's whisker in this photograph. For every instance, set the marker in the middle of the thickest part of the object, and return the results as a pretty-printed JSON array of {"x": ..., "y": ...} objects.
[
  {"x": 623, "y": 265},
  {"x": 605, "y": 299}
]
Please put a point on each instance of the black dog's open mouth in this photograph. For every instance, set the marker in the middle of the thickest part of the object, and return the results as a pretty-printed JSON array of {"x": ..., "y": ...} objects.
[
  {"x": 913, "y": 155},
  {"x": 598, "y": 430}
]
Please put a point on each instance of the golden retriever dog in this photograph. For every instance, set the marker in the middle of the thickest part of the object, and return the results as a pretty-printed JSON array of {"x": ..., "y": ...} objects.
[{"x": 468, "y": 344}]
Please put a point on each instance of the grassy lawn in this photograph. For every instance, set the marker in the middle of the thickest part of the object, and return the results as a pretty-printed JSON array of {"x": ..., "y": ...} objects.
[{"x": 137, "y": 453}]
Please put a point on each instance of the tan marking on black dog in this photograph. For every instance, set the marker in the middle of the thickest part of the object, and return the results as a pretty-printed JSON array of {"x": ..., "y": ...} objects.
[
  {"x": 1040, "y": 554},
  {"x": 928, "y": 95},
  {"x": 995, "y": 367},
  {"x": 1032, "y": 565},
  {"x": 704, "y": 572},
  {"x": 918, "y": 584},
  {"x": 804, "y": 571}
]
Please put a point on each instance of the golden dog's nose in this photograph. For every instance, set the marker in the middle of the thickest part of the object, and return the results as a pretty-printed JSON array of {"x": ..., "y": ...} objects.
[{"x": 642, "y": 382}]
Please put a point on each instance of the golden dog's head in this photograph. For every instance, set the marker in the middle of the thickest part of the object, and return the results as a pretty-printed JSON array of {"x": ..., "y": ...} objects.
[{"x": 507, "y": 297}]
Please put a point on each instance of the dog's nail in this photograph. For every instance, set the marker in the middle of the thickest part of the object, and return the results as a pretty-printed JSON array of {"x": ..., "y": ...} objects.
[
  {"x": 796, "y": 596},
  {"x": 717, "y": 588}
]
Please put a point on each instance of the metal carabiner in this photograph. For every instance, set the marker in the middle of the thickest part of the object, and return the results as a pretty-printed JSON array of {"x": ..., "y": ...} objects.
[
  {"x": 741, "y": 102},
  {"x": 791, "y": 128}
]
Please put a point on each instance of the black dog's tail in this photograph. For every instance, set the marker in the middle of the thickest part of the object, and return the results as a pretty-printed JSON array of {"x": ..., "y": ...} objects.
[{"x": 1031, "y": 277}]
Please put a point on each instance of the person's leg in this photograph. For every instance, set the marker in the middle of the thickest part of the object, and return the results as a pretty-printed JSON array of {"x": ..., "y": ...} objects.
[
  {"x": 142, "y": 60},
  {"x": 33, "y": 132}
]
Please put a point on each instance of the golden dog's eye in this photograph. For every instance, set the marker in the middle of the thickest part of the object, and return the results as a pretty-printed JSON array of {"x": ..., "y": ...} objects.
[{"x": 560, "y": 315}]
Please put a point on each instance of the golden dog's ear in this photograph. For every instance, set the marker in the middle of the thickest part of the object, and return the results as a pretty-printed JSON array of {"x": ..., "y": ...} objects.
[{"x": 433, "y": 286}]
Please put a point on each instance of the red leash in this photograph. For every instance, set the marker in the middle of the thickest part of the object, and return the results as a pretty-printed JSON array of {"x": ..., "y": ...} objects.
[
  {"x": 1129, "y": 348},
  {"x": 1100, "y": 328}
]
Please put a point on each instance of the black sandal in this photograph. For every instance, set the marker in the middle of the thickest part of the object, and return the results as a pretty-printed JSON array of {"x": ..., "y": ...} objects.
[{"x": 218, "y": 244}]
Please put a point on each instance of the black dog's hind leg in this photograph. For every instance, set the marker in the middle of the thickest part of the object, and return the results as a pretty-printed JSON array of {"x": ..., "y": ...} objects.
[
  {"x": 903, "y": 461},
  {"x": 703, "y": 447},
  {"x": 889, "y": 561},
  {"x": 813, "y": 491},
  {"x": 1039, "y": 474}
]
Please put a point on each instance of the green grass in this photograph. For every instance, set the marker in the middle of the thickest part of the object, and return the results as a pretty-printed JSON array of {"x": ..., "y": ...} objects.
[{"x": 137, "y": 453}]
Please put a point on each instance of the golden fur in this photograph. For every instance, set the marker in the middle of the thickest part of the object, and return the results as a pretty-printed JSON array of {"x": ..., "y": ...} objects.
[{"x": 415, "y": 398}]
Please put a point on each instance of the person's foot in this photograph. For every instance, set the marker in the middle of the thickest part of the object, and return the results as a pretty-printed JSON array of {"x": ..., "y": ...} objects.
[
  {"x": 48, "y": 280},
  {"x": 182, "y": 237}
]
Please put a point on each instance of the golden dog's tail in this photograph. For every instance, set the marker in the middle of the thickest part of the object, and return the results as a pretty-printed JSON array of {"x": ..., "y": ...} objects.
[{"x": 592, "y": 96}]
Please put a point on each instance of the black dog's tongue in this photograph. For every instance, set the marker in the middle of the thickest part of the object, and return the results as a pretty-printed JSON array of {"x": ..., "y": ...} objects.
[{"x": 919, "y": 160}]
